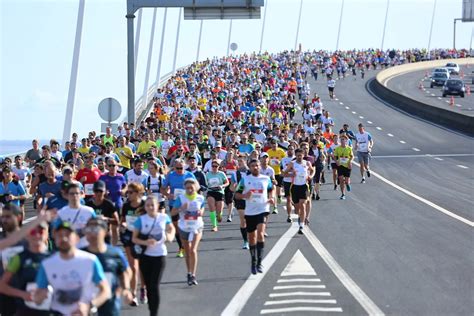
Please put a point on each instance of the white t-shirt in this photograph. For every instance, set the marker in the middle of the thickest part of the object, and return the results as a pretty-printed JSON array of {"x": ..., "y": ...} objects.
[
  {"x": 259, "y": 186},
  {"x": 284, "y": 163},
  {"x": 268, "y": 171},
  {"x": 189, "y": 221},
  {"x": 146, "y": 224},
  {"x": 301, "y": 172},
  {"x": 154, "y": 184},
  {"x": 363, "y": 141},
  {"x": 72, "y": 280},
  {"x": 78, "y": 218},
  {"x": 131, "y": 176}
]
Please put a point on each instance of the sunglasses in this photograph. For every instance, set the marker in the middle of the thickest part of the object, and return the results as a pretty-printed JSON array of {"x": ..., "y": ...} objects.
[
  {"x": 111, "y": 166},
  {"x": 179, "y": 168}
]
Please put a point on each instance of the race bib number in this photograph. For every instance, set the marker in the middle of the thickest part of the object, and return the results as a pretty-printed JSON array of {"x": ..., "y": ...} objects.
[
  {"x": 89, "y": 189},
  {"x": 258, "y": 196},
  {"x": 343, "y": 160},
  {"x": 130, "y": 220},
  {"x": 46, "y": 305},
  {"x": 214, "y": 182},
  {"x": 178, "y": 192},
  {"x": 191, "y": 223},
  {"x": 301, "y": 178}
]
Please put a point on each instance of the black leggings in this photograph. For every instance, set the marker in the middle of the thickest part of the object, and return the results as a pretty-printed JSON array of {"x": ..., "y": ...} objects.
[{"x": 152, "y": 270}]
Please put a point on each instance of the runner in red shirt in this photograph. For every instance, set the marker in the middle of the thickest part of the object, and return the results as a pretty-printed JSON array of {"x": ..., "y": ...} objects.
[{"x": 88, "y": 175}]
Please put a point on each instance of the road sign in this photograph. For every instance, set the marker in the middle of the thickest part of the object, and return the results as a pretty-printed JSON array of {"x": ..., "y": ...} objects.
[
  {"x": 109, "y": 109},
  {"x": 468, "y": 11},
  {"x": 234, "y": 46}
]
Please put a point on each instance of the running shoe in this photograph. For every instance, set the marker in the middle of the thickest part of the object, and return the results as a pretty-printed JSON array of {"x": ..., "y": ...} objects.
[
  {"x": 343, "y": 197},
  {"x": 289, "y": 220},
  {"x": 265, "y": 235},
  {"x": 214, "y": 229},
  {"x": 180, "y": 253},
  {"x": 253, "y": 269},
  {"x": 300, "y": 231},
  {"x": 143, "y": 296},
  {"x": 368, "y": 173},
  {"x": 260, "y": 268},
  {"x": 313, "y": 197},
  {"x": 317, "y": 197},
  {"x": 245, "y": 245},
  {"x": 363, "y": 180},
  {"x": 348, "y": 186},
  {"x": 190, "y": 280},
  {"x": 229, "y": 219},
  {"x": 193, "y": 280},
  {"x": 306, "y": 221},
  {"x": 275, "y": 211},
  {"x": 134, "y": 302}
]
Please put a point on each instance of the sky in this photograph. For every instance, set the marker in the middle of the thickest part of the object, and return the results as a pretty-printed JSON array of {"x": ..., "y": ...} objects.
[{"x": 37, "y": 39}]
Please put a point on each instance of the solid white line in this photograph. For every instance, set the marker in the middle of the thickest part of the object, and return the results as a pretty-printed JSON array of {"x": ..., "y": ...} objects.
[
  {"x": 298, "y": 280},
  {"x": 369, "y": 122},
  {"x": 379, "y": 128},
  {"x": 463, "y": 167},
  {"x": 300, "y": 294},
  {"x": 300, "y": 309},
  {"x": 342, "y": 275},
  {"x": 425, "y": 155},
  {"x": 415, "y": 149},
  {"x": 423, "y": 200},
  {"x": 391, "y": 135},
  {"x": 300, "y": 301},
  {"x": 289, "y": 287},
  {"x": 240, "y": 298},
  {"x": 403, "y": 142}
]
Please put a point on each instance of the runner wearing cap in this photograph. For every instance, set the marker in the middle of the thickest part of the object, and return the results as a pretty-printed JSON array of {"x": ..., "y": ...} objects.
[
  {"x": 71, "y": 273},
  {"x": 190, "y": 208}
]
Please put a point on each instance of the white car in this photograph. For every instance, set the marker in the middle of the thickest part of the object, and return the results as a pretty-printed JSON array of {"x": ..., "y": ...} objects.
[{"x": 453, "y": 68}]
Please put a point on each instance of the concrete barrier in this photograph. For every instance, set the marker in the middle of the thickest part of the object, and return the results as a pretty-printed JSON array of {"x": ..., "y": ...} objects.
[{"x": 444, "y": 117}]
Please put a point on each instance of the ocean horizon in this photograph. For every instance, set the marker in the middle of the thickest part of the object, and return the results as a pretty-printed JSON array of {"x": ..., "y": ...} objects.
[{"x": 19, "y": 146}]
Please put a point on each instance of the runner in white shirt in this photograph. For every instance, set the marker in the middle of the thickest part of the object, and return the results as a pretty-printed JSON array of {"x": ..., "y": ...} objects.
[
  {"x": 331, "y": 86},
  {"x": 137, "y": 174},
  {"x": 287, "y": 180},
  {"x": 257, "y": 191},
  {"x": 363, "y": 146}
]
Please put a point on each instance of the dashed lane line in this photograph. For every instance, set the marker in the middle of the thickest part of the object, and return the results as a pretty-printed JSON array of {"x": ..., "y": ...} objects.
[
  {"x": 369, "y": 122},
  {"x": 415, "y": 149},
  {"x": 403, "y": 142},
  {"x": 354, "y": 112},
  {"x": 462, "y": 166},
  {"x": 341, "y": 103},
  {"x": 361, "y": 117},
  {"x": 421, "y": 199},
  {"x": 379, "y": 128},
  {"x": 390, "y": 135},
  {"x": 347, "y": 108}
]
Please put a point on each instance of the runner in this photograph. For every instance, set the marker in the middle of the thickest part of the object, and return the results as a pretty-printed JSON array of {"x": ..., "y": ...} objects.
[
  {"x": 343, "y": 156},
  {"x": 268, "y": 171},
  {"x": 257, "y": 191},
  {"x": 88, "y": 175},
  {"x": 190, "y": 208},
  {"x": 334, "y": 145},
  {"x": 331, "y": 86},
  {"x": 276, "y": 154},
  {"x": 287, "y": 180},
  {"x": 71, "y": 273},
  {"x": 216, "y": 181},
  {"x": 302, "y": 172},
  {"x": 151, "y": 231},
  {"x": 229, "y": 166},
  {"x": 363, "y": 146},
  {"x": 241, "y": 173}
]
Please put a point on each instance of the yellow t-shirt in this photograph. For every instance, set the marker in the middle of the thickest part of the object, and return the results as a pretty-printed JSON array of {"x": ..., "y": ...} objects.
[
  {"x": 83, "y": 150},
  {"x": 144, "y": 147},
  {"x": 275, "y": 159},
  {"x": 124, "y": 161}
]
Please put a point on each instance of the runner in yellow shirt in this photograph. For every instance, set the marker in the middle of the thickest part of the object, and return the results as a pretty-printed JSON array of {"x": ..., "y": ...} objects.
[
  {"x": 145, "y": 145},
  {"x": 344, "y": 156},
  {"x": 124, "y": 153},
  {"x": 276, "y": 154}
]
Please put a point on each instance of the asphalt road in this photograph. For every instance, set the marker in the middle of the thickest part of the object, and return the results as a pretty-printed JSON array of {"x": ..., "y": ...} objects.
[
  {"x": 409, "y": 85},
  {"x": 403, "y": 240}
]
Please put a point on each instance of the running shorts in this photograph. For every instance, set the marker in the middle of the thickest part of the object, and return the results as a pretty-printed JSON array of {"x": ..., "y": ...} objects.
[
  {"x": 343, "y": 172},
  {"x": 279, "y": 180},
  {"x": 239, "y": 204},
  {"x": 187, "y": 235},
  {"x": 252, "y": 221},
  {"x": 333, "y": 166},
  {"x": 299, "y": 192},
  {"x": 363, "y": 157},
  {"x": 228, "y": 195},
  {"x": 331, "y": 89},
  {"x": 317, "y": 175},
  {"x": 218, "y": 196},
  {"x": 286, "y": 188}
]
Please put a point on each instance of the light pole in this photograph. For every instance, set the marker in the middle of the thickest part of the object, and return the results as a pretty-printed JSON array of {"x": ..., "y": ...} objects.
[
  {"x": 340, "y": 23},
  {"x": 177, "y": 40},
  {"x": 298, "y": 27},
  {"x": 228, "y": 40},
  {"x": 73, "y": 79},
  {"x": 385, "y": 25},
  {"x": 160, "y": 56},
  {"x": 148, "y": 63},
  {"x": 199, "y": 42},
  {"x": 454, "y": 35},
  {"x": 431, "y": 28},
  {"x": 137, "y": 39},
  {"x": 263, "y": 26}
]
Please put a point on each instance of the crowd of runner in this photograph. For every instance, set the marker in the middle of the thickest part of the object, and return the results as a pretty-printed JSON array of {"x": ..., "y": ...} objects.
[{"x": 236, "y": 136}]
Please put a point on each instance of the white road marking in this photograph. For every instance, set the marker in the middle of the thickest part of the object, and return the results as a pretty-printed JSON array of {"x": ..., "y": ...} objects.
[
  {"x": 299, "y": 294},
  {"x": 347, "y": 108},
  {"x": 369, "y": 122},
  {"x": 298, "y": 265},
  {"x": 439, "y": 98},
  {"x": 423, "y": 200},
  {"x": 439, "y": 159},
  {"x": 458, "y": 105},
  {"x": 336, "y": 99},
  {"x": 342, "y": 275},
  {"x": 425, "y": 156},
  {"x": 354, "y": 112},
  {"x": 290, "y": 287},
  {"x": 296, "y": 301},
  {"x": 300, "y": 309},
  {"x": 447, "y": 101},
  {"x": 298, "y": 280},
  {"x": 240, "y": 298},
  {"x": 341, "y": 103},
  {"x": 403, "y": 142},
  {"x": 427, "y": 91},
  {"x": 361, "y": 117},
  {"x": 391, "y": 135},
  {"x": 415, "y": 149},
  {"x": 433, "y": 94},
  {"x": 379, "y": 128},
  {"x": 26, "y": 221},
  {"x": 463, "y": 167}
]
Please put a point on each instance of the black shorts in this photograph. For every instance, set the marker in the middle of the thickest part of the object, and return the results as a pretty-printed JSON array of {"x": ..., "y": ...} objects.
[
  {"x": 126, "y": 238},
  {"x": 331, "y": 89},
  {"x": 228, "y": 195},
  {"x": 252, "y": 221},
  {"x": 239, "y": 204},
  {"x": 299, "y": 192},
  {"x": 287, "y": 188},
  {"x": 218, "y": 196},
  {"x": 279, "y": 180},
  {"x": 343, "y": 172},
  {"x": 333, "y": 165},
  {"x": 317, "y": 175}
]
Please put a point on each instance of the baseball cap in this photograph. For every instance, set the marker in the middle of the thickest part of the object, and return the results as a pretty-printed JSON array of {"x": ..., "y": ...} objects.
[
  {"x": 218, "y": 144},
  {"x": 60, "y": 224},
  {"x": 65, "y": 185},
  {"x": 99, "y": 186},
  {"x": 264, "y": 154}
]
